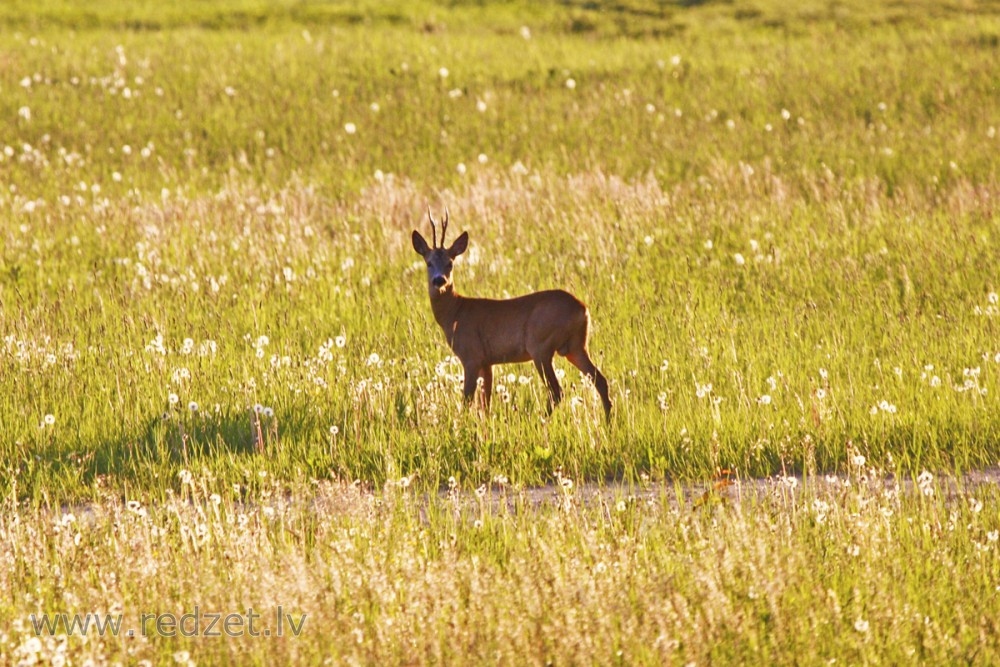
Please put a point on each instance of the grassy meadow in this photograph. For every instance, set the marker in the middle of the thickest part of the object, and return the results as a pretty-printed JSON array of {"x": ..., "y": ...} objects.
[{"x": 221, "y": 384}]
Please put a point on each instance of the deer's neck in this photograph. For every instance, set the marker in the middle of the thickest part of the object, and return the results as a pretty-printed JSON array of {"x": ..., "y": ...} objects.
[{"x": 445, "y": 306}]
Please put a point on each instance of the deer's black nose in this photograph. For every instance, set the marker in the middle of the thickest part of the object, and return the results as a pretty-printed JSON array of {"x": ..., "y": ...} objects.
[{"x": 438, "y": 281}]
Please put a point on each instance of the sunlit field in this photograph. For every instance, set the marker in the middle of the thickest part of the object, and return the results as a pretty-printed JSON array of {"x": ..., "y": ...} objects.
[{"x": 221, "y": 384}]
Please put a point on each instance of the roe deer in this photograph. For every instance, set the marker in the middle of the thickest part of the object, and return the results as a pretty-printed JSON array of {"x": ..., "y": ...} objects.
[{"x": 484, "y": 332}]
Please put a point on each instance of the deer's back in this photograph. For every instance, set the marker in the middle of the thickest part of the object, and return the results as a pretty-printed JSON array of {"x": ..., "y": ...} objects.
[
  {"x": 557, "y": 305},
  {"x": 507, "y": 330}
]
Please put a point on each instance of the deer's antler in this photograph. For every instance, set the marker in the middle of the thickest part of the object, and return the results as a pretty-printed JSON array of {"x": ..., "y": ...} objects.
[
  {"x": 444, "y": 226},
  {"x": 433, "y": 227}
]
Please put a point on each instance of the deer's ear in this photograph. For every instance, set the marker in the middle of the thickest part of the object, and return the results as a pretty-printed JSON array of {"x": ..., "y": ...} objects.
[
  {"x": 459, "y": 246},
  {"x": 420, "y": 244}
]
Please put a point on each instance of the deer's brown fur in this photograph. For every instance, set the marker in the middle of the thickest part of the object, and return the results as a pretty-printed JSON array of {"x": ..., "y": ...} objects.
[{"x": 485, "y": 332}]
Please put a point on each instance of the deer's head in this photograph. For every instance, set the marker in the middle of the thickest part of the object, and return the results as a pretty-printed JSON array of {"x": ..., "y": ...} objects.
[{"x": 439, "y": 259}]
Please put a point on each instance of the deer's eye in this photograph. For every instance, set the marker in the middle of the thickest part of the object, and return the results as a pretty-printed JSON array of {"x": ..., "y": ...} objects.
[{"x": 450, "y": 264}]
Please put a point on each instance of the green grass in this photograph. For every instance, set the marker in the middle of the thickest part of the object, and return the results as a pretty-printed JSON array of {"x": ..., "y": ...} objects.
[
  {"x": 166, "y": 182},
  {"x": 782, "y": 217}
]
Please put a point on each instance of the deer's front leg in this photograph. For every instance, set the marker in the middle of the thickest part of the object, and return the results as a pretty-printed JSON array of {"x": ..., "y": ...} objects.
[
  {"x": 471, "y": 376},
  {"x": 486, "y": 373}
]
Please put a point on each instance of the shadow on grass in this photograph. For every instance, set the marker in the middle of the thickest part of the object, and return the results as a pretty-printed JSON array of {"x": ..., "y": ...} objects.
[
  {"x": 167, "y": 443},
  {"x": 175, "y": 438}
]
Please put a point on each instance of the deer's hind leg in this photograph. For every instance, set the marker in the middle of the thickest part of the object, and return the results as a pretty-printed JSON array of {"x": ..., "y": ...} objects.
[
  {"x": 581, "y": 360},
  {"x": 543, "y": 362}
]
